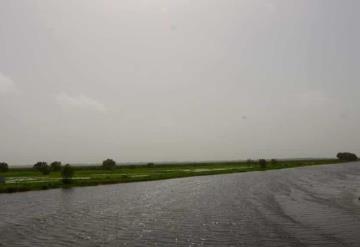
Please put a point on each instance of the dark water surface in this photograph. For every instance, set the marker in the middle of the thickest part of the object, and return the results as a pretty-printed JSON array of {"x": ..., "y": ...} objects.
[{"x": 310, "y": 206}]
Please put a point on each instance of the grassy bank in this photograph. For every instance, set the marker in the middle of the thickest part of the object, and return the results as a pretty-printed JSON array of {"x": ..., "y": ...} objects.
[{"x": 26, "y": 179}]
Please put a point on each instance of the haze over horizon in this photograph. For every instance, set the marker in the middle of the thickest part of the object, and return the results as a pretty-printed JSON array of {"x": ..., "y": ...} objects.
[{"x": 181, "y": 80}]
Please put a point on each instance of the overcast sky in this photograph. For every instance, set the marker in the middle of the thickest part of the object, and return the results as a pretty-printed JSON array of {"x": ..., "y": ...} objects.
[{"x": 182, "y": 80}]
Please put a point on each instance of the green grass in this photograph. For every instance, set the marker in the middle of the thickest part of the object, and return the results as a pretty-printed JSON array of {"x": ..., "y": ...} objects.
[{"x": 26, "y": 179}]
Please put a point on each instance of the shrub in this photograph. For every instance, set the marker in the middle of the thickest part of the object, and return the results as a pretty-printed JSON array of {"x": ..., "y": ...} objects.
[
  {"x": 109, "y": 164},
  {"x": 274, "y": 161},
  {"x": 4, "y": 167},
  {"x": 347, "y": 156},
  {"x": 67, "y": 172},
  {"x": 150, "y": 164},
  {"x": 250, "y": 161},
  {"x": 55, "y": 166},
  {"x": 42, "y": 167},
  {"x": 262, "y": 163}
]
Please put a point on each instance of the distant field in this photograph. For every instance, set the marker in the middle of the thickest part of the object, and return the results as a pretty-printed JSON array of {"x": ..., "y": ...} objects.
[{"x": 26, "y": 179}]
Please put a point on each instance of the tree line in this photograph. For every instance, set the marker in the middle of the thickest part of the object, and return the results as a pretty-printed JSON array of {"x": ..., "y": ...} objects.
[{"x": 67, "y": 171}]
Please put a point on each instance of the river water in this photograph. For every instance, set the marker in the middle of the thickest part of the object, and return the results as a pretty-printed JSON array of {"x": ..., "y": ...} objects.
[{"x": 309, "y": 206}]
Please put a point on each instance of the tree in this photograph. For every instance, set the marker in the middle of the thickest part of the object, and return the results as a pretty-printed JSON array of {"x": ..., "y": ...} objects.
[
  {"x": 108, "y": 164},
  {"x": 55, "y": 166},
  {"x": 4, "y": 167},
  {"x": 42, "y": 167},
  {"x": 150, "y": 164},
  {"x": 250, "y": 161},
  {"x": 67, "y": 172},
  {"x": 347, "y": 156},
  {"x": 274, "y": 161},
  {"x": 262, "y": 163}
]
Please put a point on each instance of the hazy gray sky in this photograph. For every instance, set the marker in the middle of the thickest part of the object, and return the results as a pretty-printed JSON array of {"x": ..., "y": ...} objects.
[{"x": 155, "y": 80}]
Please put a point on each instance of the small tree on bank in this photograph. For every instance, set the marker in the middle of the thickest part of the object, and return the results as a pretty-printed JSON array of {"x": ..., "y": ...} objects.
[
  {"x": 262, "y": 163},
  {"x": 347, "y": 156},
  {"x": 109, "y": 164},
  {"x": 151, "y": 164},
  {"x": 273, "y": 161},
  {"x": 4, "y": 167},
  {"x": 67, "y": 172},
  {"x": 250, "y": 162},
  {"x": 42, "y": 167},
  {"x": 55, "y": 166}
]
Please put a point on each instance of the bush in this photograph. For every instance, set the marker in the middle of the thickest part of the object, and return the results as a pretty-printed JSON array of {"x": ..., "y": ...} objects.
[
  {"x": 4, "y": 167},
  {"x": 109, "y": 164},
  {"x": 55, "y": 166},
  {"x": 274, "y": 161},
  {"x": 347, "y": 156},
  {"x": 250, "y": 161},
  {"x": 67, "y": 172},
  {"x": 150, "y": 164},
  {"x": 42, "y": 167},
  {"x": 262, "y": 163}
]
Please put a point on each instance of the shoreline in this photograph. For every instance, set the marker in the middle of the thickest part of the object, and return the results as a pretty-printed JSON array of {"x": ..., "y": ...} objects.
[{"x": 28, "y": 179}]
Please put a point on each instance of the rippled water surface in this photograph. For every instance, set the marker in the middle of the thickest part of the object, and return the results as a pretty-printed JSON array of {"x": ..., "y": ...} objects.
[{"x": 310, "y": 206}]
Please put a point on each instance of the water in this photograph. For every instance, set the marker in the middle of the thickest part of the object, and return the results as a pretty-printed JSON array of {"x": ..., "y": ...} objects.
[{"x": 310, "y": 206}]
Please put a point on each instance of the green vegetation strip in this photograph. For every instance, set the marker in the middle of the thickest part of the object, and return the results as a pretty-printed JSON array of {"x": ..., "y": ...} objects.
[{"x": 26, "y": 179}]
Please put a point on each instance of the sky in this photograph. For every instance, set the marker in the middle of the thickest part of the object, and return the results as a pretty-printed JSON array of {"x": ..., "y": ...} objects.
[{"x": 178, "y": 80}]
